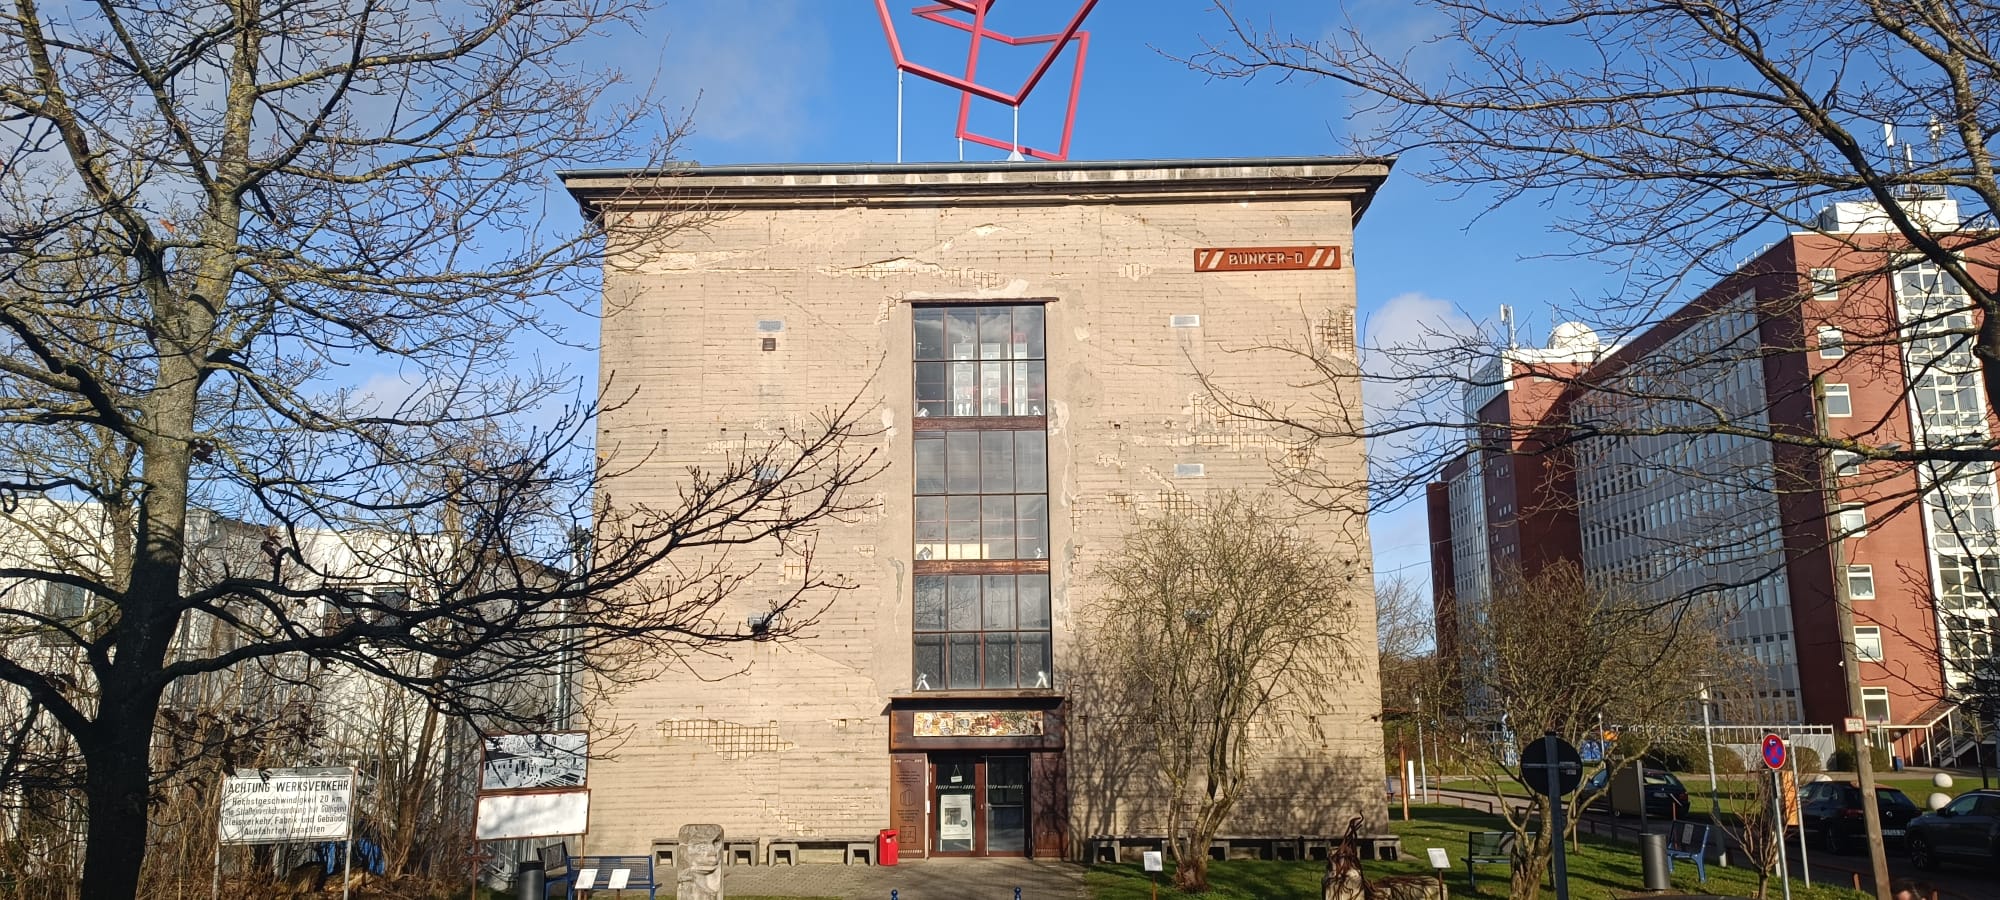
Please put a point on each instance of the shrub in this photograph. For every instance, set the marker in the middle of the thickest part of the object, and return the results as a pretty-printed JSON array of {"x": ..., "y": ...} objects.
[
  {"x": 1729, "y": 762},
  {"x": 1843, "y": 759},
  {"x": 1808, "y": 759}
]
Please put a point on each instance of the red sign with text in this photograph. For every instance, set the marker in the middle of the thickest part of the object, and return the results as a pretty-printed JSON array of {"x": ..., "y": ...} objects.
[{"x": 1265, "y": 259}]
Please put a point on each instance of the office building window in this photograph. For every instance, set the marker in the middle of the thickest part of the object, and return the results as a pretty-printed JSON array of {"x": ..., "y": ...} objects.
[
  {"x": 982, "y": 631},
  {"x": 1831, "y": 343},
  {"x": 1846, "y": 464},
  {"x": 1860, "y": 582},
  {"x": 1839, "y": 403},
  {"x": 1868, "y": 643},
  {"x": 1875, "y": 704},
  {"x": 1853, "y": 521},
  {"x": 981, "y": 499},
  {"x": 980, "y": 361},
  {"x": 1825, "y": 285}
]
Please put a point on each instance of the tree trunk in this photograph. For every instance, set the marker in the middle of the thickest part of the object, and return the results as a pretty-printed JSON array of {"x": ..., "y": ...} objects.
[
  {"x": 117, "y": 783},
  {"x": 1526, "y": 883},
  {"x": 1191, "y": 872}
]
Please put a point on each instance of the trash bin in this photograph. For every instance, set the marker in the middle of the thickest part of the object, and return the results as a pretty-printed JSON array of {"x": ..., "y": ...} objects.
[
  {"x": 885, "y": 847},
  {"x": 1896, "y": 763},
  {"x": 1653, "y": 860},
  {"x": 530, "y": 882}
]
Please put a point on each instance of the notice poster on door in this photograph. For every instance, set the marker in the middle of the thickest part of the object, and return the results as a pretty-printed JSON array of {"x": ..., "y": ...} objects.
[{"x": 954, "y": 817}]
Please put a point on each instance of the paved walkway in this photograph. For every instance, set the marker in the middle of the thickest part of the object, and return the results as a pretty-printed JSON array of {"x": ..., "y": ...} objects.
[{"x": 938, "y": 879}]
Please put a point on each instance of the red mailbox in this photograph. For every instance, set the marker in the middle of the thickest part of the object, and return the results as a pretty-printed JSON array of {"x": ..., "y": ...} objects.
[{"x": 885, "y": 847}]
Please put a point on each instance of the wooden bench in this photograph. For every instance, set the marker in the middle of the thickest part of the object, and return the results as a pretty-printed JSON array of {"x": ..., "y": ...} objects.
[
  {"x": 1488, "y": 847},
  {"x": 1689, "y": 841},
  {"x": 1256, "y": 846}
]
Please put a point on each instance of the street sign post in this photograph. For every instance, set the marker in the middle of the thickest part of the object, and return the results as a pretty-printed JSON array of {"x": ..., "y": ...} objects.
[
  {"x": 1775, "y": 754},
  {"x": 1553, "y": 768}
]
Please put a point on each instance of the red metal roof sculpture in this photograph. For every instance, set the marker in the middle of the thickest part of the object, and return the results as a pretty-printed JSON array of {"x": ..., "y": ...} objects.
[{"x": 954, "y": 14}]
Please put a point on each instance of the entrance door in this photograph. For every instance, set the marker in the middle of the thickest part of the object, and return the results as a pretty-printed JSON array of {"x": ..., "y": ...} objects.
[{"x": 982, "y": 804}]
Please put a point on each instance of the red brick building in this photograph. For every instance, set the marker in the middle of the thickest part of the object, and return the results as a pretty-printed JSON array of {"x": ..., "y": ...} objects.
[{"x": 1662, "y": 466}]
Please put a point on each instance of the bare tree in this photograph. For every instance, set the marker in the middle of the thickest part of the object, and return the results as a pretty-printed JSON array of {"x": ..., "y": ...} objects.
[
  {"x": 213, "y": 214},
  {"x": 1556, "y": 653},
  {"x": 1228, "y": 621}
]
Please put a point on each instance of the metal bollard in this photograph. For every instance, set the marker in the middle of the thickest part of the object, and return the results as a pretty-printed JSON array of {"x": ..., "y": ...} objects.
[
  {"x": 893, "y": 894},
  {"x": 1017, "y": 894},
  {"x": 530, "y": 882},
  {"x": 1653, "y": 860}
]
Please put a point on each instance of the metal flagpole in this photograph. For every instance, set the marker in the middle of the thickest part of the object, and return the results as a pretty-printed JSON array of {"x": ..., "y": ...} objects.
[
  {"x": 899, "y": 115},
  {"x": 347, "y": 865},
  {"x": 1805, "y": 865}
]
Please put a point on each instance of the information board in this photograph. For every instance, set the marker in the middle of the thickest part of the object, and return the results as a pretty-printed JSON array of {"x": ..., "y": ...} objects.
[
  {"x": 281, "y": 806},
  {"x": 534, "y": 761},
  {"x": 508, "y": 816}
]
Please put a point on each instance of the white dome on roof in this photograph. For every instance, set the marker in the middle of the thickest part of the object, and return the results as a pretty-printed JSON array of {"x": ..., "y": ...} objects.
[{"x": 1573, "y": 336}]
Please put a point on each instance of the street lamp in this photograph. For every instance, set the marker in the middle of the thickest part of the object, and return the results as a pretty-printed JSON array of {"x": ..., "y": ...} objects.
[{"x": 1708, "y": 739}]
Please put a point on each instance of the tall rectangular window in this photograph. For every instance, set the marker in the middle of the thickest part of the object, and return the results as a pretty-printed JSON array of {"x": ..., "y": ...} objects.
[
  {"x": 1832, "y": 344},
  {"x": 1860, "y": 582},
  {"x": 981, "y": 497},
  {"x": 1875, "y": 704},
  {"x": 1868, "y": 643},
  {"x": 1839, "y": 403},
  {"x": 1825, "y": 285},
  {"x": 1853, "y": 521}
]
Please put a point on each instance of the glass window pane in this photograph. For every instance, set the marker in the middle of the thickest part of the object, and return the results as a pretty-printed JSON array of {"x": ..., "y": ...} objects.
[
  {"x": 930, "y": 602},
  {"x": 997, "y": 514},
  {"x": 1034, "y": 601},
  {"x": 931, "y": 538},
  {"x": 1027, "y": 332},
  {"x": 1034, "y": 401},
  {"x": 993, "y": 388},
  {"x": 929, "y": 454},
  {"x": 964, "y": 389},
  {"x": 961, "y": 460},
  {"x": 1000, "y": 660},
  {"x": 929, "y": 333},
  {"x": 996, "y": 462},
  {"x": 962, "y": 334},
  {"x": 1031, "y": 464},
  {"x": 1032, "y": 527},
  {"x": 930, "y": 662},
  {"x": 996, "y": 330},
  {"x": 998, "y": 602},
  {"x": 962, "y": 531},
  {"x": 1036, "y": 668},
  {"x": 965, "y": 660},
  {"x": 964, "y": 601},
  {"x": 933, "y": 389}
]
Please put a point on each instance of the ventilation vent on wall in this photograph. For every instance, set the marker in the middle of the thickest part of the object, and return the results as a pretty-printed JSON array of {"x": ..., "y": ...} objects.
[
  {"x": 1190, "y": 470},
  {"x": 1188, "y": 321},
  {"x": 770, "y": 326},
  {"x": 770, "y": 343}
]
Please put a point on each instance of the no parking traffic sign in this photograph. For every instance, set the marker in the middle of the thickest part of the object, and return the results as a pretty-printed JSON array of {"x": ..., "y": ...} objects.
[{"x": 1774, "y": 751}]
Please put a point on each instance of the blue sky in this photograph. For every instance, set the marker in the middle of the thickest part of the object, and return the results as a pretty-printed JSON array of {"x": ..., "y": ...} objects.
[{"x": 813, "y": 81}]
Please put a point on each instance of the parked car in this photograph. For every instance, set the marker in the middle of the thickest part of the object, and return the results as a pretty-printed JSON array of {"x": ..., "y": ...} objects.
[
  {"x": 1830, "y": 813},
  {"x": 1966, "y": 830},
  {"x": 1665, "y": 796}
]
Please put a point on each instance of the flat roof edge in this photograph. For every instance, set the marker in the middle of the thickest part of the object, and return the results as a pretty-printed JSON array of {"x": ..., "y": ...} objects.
[{"x": 865, "y": 168}]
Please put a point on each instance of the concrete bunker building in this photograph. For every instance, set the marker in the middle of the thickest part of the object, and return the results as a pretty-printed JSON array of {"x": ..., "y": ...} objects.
[{"x": 1030, "y": 339}]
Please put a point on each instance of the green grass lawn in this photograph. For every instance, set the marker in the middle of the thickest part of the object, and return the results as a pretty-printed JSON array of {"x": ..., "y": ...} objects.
[
  {"x": 1737, "y": 788},
  {"x": 1601, "y": 870}
]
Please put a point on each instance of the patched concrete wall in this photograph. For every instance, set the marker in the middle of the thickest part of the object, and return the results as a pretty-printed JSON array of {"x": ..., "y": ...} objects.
[{"x": 798, "y": 742}]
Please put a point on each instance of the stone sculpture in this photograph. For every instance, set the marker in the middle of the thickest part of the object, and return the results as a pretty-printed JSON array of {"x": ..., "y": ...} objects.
[{"x": 699, "y": 863}]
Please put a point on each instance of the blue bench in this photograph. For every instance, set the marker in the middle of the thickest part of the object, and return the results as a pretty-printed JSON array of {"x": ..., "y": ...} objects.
[
  {"x": 612, "y": 874},
  {"x": 1689, "y": 841}
]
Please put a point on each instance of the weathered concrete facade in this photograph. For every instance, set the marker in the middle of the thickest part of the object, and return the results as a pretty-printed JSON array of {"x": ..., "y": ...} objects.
[{"x": 798, "y": 294}]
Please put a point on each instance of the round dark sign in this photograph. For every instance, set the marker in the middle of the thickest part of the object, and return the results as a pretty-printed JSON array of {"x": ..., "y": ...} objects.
[
  {"x": 1537, "y": 760},
  {"x": 1774, "y": 751}
]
